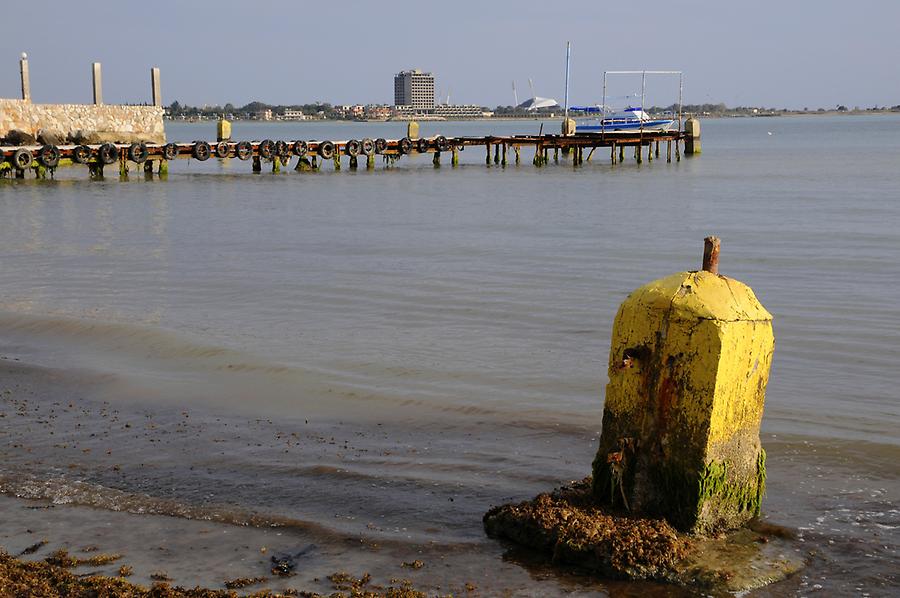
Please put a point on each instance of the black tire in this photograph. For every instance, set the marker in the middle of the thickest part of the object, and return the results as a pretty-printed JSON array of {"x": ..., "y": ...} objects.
[
  {"x": 380, "y": 145},
  {"x": 49, "y": 156},
  {"x": 325, "y": 150},
  {"x": 352, "y": 147},
  {"x": 222, "y": 149},
  {"x": 201, "y": 151},
  {"x": 281, "y": 148},
  {"x": 368, "y": 147},
  {"x": 442, "y": 144},
  {"x": 81, "y": 154},
  {"x": 108, "y": 153},
  {"x": 22, "y": 159},
  {"x": 300, "y": 148},
  {"x": 244, "y": 150},
  {"x": 404, "y": 146},
  {"x": 266, "y": 149},
  {"x": 137, "y": 152},
  {"x": 170, "y": 151},
  {"x": 422, "y": 145}
]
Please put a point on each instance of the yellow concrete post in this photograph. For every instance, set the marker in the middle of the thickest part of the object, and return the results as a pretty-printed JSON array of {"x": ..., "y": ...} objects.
[
  {"x": 692, "y": 136},
  {"x": 223, "y": 130},
  {"x": 412, "y": 130},
  {"x": 688, "y": 367}
]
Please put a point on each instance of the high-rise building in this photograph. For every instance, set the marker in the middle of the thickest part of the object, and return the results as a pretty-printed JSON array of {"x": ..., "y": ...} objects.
[{"x": 415, "y": 89}]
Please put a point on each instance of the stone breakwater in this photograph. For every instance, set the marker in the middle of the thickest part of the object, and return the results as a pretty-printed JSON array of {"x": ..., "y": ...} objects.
[{"x": 84, "y": 123}]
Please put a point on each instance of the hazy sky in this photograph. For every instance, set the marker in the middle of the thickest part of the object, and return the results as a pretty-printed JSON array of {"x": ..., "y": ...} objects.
[{"x": 790, "y": 53}]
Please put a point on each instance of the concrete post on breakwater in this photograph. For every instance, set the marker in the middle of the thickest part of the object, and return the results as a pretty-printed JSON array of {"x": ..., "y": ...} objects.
[
  {"x": 97, "y": 79},
  {"x": 688, "y": 368},
  {"x": 26, "y": 78}
]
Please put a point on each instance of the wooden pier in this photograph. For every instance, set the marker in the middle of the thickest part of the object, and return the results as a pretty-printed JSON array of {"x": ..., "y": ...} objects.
[{"x": 499, "y": 150}]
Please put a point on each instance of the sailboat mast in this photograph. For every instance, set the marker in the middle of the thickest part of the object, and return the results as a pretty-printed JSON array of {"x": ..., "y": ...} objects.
[{"x": 568, "y": 53}]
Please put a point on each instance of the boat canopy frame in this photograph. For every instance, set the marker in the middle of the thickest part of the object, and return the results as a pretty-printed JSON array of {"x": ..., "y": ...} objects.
[{"x": 643, "y": 75}]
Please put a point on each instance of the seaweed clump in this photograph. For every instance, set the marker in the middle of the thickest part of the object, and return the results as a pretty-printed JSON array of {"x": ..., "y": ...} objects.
[{"x": 574, "y": 529}]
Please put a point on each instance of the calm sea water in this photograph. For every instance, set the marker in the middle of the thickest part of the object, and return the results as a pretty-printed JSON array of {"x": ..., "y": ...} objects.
[{"x": 386, "y": 354}]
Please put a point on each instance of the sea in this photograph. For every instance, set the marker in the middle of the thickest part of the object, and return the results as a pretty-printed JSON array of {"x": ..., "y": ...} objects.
[{"x": 209, "y": 369}]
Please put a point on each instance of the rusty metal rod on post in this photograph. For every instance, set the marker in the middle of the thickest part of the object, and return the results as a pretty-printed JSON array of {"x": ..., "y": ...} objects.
[{"x": 711, "y": 247}]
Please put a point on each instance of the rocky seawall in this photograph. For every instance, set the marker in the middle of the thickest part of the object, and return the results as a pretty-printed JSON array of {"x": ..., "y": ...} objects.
[{"x": 83, "y": 123}]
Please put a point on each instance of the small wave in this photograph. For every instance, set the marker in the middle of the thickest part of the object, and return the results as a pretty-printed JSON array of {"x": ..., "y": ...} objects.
[{"x": 60, "y": 491}]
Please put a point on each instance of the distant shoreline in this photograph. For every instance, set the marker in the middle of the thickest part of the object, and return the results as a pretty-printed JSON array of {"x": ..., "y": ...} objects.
[{"x": 553, "y": 118}]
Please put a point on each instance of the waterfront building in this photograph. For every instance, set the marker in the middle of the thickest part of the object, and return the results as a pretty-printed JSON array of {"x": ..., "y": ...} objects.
[{"x": 414, "y": 89}]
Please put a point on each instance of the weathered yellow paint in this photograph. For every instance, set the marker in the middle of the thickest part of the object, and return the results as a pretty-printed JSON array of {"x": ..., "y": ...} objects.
[
  {"x": 223, "y": 130},
  {"x": 688, "y": 367}
]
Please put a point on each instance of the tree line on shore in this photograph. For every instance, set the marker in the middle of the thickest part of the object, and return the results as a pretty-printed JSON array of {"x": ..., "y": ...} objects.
[{"x": 326, "y": 110}]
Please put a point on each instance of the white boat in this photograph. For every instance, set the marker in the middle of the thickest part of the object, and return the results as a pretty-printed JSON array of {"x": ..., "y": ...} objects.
[{"x": 630, "y": 119}]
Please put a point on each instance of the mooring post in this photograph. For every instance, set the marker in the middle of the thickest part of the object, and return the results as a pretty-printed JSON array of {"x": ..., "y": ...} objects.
[
  {"x": 98, "y": 83},
  {"x": 123, "y": 167},
  {"x": 148, "y": 167},
  {"x": 353, "y": 163},
  {"x": 669, "y": 151},
  {"x": 637, "y": 153},
  {"x": 337, "y": 158},
  {"x": 657, "y": 148},
  {"x": 26, "y": 78},
  {"x": 516, "y": 149},
  {"x": 621, "y": 153},
  {"x": 497, "y": 153},
  {"x": 315, "y": 163},
  {"x": 650, "y": 152},
  {"x": 503, "y": 157},
  {"x": 257, "y": 164},
  {"x": 488, "y": 158},
  {"x": 223, "y": 130},
  {"x": 154, "y": 86},
  {"x": 612, "y": 153},
  {"x": 538, "y": 154},
  {"x": 688, "y": 368},
  {"x": 95, "y": 169},
  {"x": 565, "y": 151},
  {"x": 692, "y": 136},
  {"x": 436, "y": 160},
  {"x": 677, "y": 152},
  {"x": 454, "y": 156},
  {"x": 370, "y": 162},
  {"x": 556, "y": 154},
  {"x": 163, "y": 168}
]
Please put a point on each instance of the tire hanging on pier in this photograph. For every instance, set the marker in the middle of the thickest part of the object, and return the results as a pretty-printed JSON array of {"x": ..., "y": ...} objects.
[
  {"x": 281, "y": 148},
  {"x": 222, "y": 149},
  {"x": 108, "y": 153},
  {"x": 81, "y": 154},
  {"x": 422, "y": 145},
  {"x": 404, "y": 146},
  {"x": 300, "y": 148},
  {"x": 326, "y": 150},
  {"x": 442, "y": 144},
  {"x": 49, "y": 156},
  {"x": 380, "y": 145},
  {"x": 243, "y": 150},
  {"x": 201, "y": 151},
  {"x": 22, "y": 159},
  {"x": 266, "y": 149},
  {"x": 170, "y": 151},
  {"x": 352, "y": 147},
  {"x": 137, "y": 152},
  {"x": 368, "y": 146}
]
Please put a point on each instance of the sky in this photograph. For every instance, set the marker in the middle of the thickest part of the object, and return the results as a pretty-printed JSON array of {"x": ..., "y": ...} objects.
[{"x": 786, "y": 53}]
